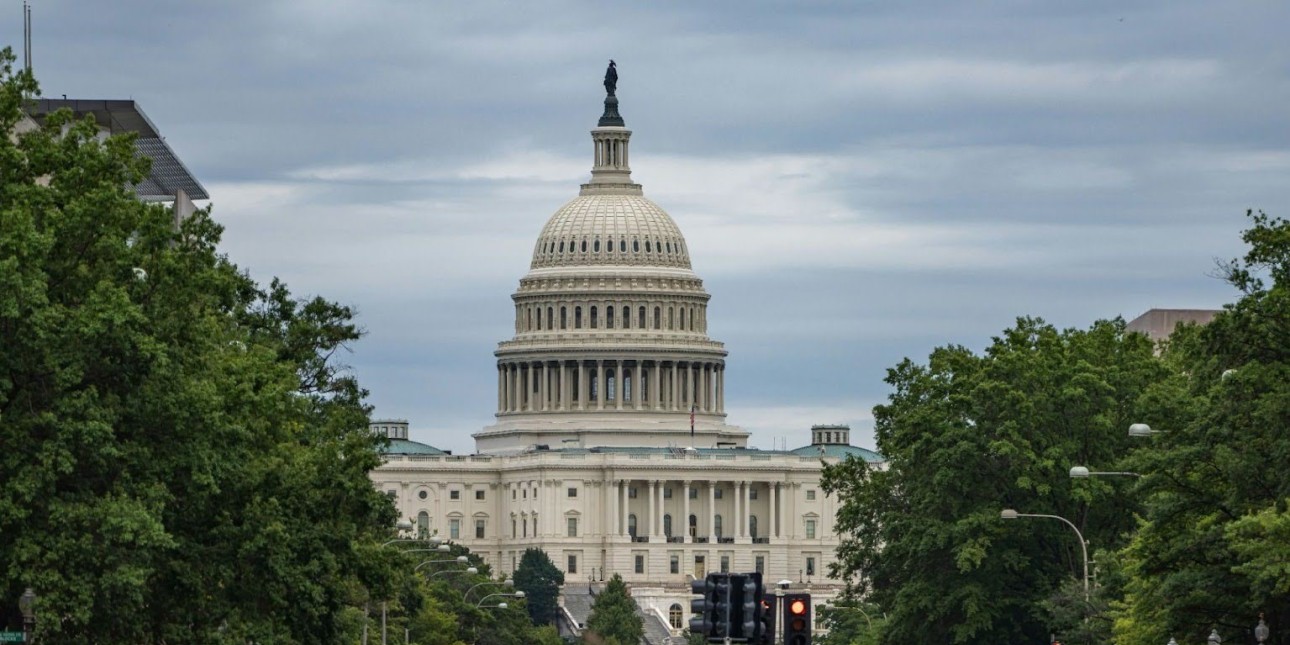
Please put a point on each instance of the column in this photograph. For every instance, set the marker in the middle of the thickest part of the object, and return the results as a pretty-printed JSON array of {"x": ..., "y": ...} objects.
[
  {"x": 747, "y": 508},
  {"x": 501, "y": 389},
  {"x": 707, "y": 386},
  {"x": 600, "y": 385},
  {"x": 546, "y": 387},
  {"x": 582, "y": 385},
  {"x": 513, "y": 377},
  {"x": 638, "y": 380},
  {"x": 712, "y": 511},
  {"x": 655, "y": 394},
  {"x": 772, "y": 527},
  {"x": 649, "y": 526},
  {"x": 563, "y": 402},
  {"x": 739, "y": 498},
  {"x": 626, "y": 506},
  {"x": 685, "y": 510},
  {"x": 662, "y": 507},
  {"x": 611, "y": 517},
  {"x": 675, "y": 387},
  {"x": 618, "y": 385},
  {"x": 721, "y": 388},
  {"x": 526, "y": 397}
]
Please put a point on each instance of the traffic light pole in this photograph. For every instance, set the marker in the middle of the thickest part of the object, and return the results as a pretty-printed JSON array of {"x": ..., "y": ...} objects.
[{"x": 779, "y": 620}]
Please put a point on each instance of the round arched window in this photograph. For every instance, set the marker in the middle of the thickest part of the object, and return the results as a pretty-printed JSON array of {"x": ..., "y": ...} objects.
[
  {"x": 610, "y": 248},
  {"x": 562, "y": 246},
  {"x": 636, "y": 246},
  {"x": 622, "y": 246},
  {"x": 584, "y": 246},
  {"x": 647, "y": 247},
  {"x": 596, "y": 246},
  {"x": 675, "y": 616}
]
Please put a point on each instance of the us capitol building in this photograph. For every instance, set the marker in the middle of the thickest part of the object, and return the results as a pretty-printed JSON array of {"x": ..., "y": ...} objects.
[{"x": 610, "y": 450}]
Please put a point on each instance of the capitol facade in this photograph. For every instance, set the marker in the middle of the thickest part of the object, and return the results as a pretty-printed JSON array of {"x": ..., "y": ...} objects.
[{"x": 610, "y": 450}]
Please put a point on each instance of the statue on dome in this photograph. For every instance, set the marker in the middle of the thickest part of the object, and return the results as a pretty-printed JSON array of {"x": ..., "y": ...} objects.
[{"x": 611, "y": 78}]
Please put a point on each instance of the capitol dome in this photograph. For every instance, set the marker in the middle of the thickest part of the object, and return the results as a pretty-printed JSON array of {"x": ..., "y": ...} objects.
[{"x": 611, "y": 346}]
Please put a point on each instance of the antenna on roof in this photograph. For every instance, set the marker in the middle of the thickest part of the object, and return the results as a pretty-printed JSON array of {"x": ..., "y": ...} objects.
[{"x": 26, "y": 36}]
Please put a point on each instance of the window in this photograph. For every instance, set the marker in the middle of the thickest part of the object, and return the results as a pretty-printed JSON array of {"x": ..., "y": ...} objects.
[
  {"x": 454, "y": 529},
  {"x": 648, "y": 247},
  {"x": 716, "y": 525},
  {"x": 584, "y": 246},
  {"x": 718, "y": 493},
  {"x": 454, "y": 494},
  {"x": 752, "y": 493},
  {"x": 596, "y": 246},
  {"x": 479, "y": 529},
  {"x": 810, "y": 495},
  {"x": 573, "y": 492},
  {"x": 423, "y": 524},
  {"x": 631, "y": 492},
  {"x": 423, "y": 495},
  {"x": 810, "y": 565},
  {"x": 682, "y": 317},
  {"x": 577, "y": 317},
  {"x": 514, "y": 493},
  {"x": 810, "y": 529},
  {"x": 550, "y": 318},
  {"x": 609, "y": 317},
  {"x": 622, "y": 246},
  {"x": 573, "y": 526},
  {"x": 694, "y": 493},
  {"x": 526, "y": 493},
  {"x": 631, "y": 525},
  {"x": 627, "y": 317},
  {"x": 657, "y": 317},
  {"x": 609, "y": 246},
  {"x": 700, "y": 567},
  {"x": 667, "y": 492},
  {"x": 674, "y": 563},
  {"x": 640, "y": 563},
  {"x": 479, "y": 494},
  {"x": 564, "y": 317},
  {"x": 759, "y": 564},
  {"x": 525, "y": 526},
  {"x": 392, "y": 494},
  {"x": 674, "y": 615},
  {"x": 636, "y": 246},
  {"x": 594, "y": 319},
  {"x": 514, "y": 526},
  {"x": 725, "y": 564},
  {"x": 640, "y": 323},
  {"x": 572, "y": 566},
  {"x": 694, "y": 525},
  {"x": 667, "y": 524}
]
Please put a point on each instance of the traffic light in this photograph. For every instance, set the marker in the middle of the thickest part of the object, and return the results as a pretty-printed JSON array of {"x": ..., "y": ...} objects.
[
  {"x": 797, "y": 619},
  {"x": 770, "y": 609},
  {"x": 702, "y": 622},
  {"x": 723, "y": 596},
  {"x": 750, "y": 613}
]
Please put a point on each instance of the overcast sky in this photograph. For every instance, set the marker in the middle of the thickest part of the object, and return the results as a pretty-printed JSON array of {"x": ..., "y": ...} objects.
[{"x": 857, "y": 181}]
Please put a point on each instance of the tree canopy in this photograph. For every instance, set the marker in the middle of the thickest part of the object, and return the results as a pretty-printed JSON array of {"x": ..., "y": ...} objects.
[
  {"x": 184, "y": 460},
  {"x": 613, "y": 619},
  {"x": 540, "y": 580}
]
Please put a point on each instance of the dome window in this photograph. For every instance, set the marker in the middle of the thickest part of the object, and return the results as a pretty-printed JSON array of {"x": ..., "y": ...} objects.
[
  {"x": 596, "y": 247},
  {"x": 647, "y": 246},
  {"x": 636, "y": 246},
  {"x": 584, "y": 246},
  {"x": 610, "y": 248},
  {"x": 622, "y": 246},
  {"x": 562, "y": 246},
  {"x": 669, "y": 247}
]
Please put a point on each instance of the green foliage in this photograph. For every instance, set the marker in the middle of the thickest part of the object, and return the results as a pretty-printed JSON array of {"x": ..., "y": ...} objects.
[
  {"x": 851, "y": 625},
  {"x": 967, "y": 435},
  {"x": 540, "y": 580},
  {"x": 613, "y": 619},
  {"x": 1211, "y": 551},
  {"x": 183, "y": 461}
]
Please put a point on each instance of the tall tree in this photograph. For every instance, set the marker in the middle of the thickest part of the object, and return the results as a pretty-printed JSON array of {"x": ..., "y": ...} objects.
[
  {"x": 613, "y": 619},
  {"x": 183, "y": 459},
  {"x": 540, "y": 581},
  {"x": 967, "y": 435},
  {"x": 1211, "y": 553}
]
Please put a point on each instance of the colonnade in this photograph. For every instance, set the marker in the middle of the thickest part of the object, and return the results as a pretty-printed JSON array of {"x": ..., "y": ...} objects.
[
  {"x": 650, "y": 528},
  {"x": 611, "y": 384}
]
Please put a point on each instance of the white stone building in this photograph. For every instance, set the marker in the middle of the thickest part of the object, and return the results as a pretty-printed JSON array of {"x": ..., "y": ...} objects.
[{"x": 611, "y": 450}]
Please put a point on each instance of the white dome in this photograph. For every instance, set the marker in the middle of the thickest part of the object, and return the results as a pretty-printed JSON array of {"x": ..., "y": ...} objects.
[{"x": 596, "y": 230}]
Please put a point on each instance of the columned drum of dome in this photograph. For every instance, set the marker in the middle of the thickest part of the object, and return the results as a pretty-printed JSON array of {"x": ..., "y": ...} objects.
[{"x": 611, "y": 345}]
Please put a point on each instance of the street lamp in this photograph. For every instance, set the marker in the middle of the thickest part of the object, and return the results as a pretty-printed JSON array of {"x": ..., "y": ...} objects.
[
  {"x": 461, "y": 558},
  {"x": 471, "y": 570},
  {"x": 1214, "y": 638},
  {"x": 27, "y": 605},
  {"x": 506, "y": 583},
  {"x": 1142, "y": 430},
  {"x": 1011, "y": 514},
  {"x": 517, "y": 594},
  {"x": 500, "y": 605},
  {"x": 1080, "y": 472}
]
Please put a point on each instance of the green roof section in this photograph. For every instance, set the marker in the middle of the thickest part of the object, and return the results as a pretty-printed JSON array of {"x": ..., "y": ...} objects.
[
  {"x": 408, "y": 447},
  {"x": 840, "y": 451}
]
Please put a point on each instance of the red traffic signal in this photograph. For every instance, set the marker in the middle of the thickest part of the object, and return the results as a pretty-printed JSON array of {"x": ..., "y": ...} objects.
[{"x": 797, "y": 619}]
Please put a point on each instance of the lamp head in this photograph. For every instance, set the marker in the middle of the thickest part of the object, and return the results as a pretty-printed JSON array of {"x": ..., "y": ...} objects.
[
  {"x": 519, "y": 594},
  {"x": 508, "y": 582},
  {"x": 501, "y": 605},
  {"x": 443, "y": 548},
  {"x": 27, "y": 604},
  {"x": 1008, "y": 514},
  {"x": 1140, "y": 430},
  {"x": 404, "y": 525},
  {"x": 462, "y": 558},
  {"x": 472, "y": 570},
  {"x": 1079, "y": 472}
]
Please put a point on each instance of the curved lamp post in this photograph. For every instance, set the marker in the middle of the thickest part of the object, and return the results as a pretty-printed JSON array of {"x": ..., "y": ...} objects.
[
  {"x": 461, "y": 558},
  {"x": 1011, "y": 514},
  {"x": 1081, "y": 472},
  {"x": 471, "y": 570},
  {"x": 500, "y": 605},
  {"x": 864, "y": 613},
  {"x": 518, "y": 594},
  {"x": 506, "y": 583}
]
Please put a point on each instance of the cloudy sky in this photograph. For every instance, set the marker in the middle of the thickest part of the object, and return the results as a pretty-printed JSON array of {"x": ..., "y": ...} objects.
[{"x": 857, "y": 181}]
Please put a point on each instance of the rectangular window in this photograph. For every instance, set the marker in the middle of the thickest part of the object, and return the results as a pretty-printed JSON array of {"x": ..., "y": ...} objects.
[
  {"x": 526, "y": 493},
  {"x": 725, "y": 564},
  {"x": 479, "y": 529},
  {"x": 640, "y": 563},
  {"x": 694, "y": 492},
  {"x": 717, "y": 493},
  {"x": 667, "y": 493},
  {"x": 760, "y": 564},
  {"x": 479, "y": 494},
  {"x": 454, "y": 529},
  {"x": 752, "y": 493},
  {"x": 810, "y": 529},
  {"x": 573, "y": 492},
  {"x": 674, "y": 564},
  {"x": 454, "y": 494},
  {"x": 573, "y": 564},
  {"x": 810, "y": 495},
  {"x": 631, "y": 492},
  {"x": 525, "y": 527},
  {"x": 700, "y": 566},
  {"x": 513, "y": 527},
  {"x": 513, "y": 493},
  {"x": 810, "y": 565},
  {"x": 573, "y": 527},
  {"x": 392, "y": 494}
]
